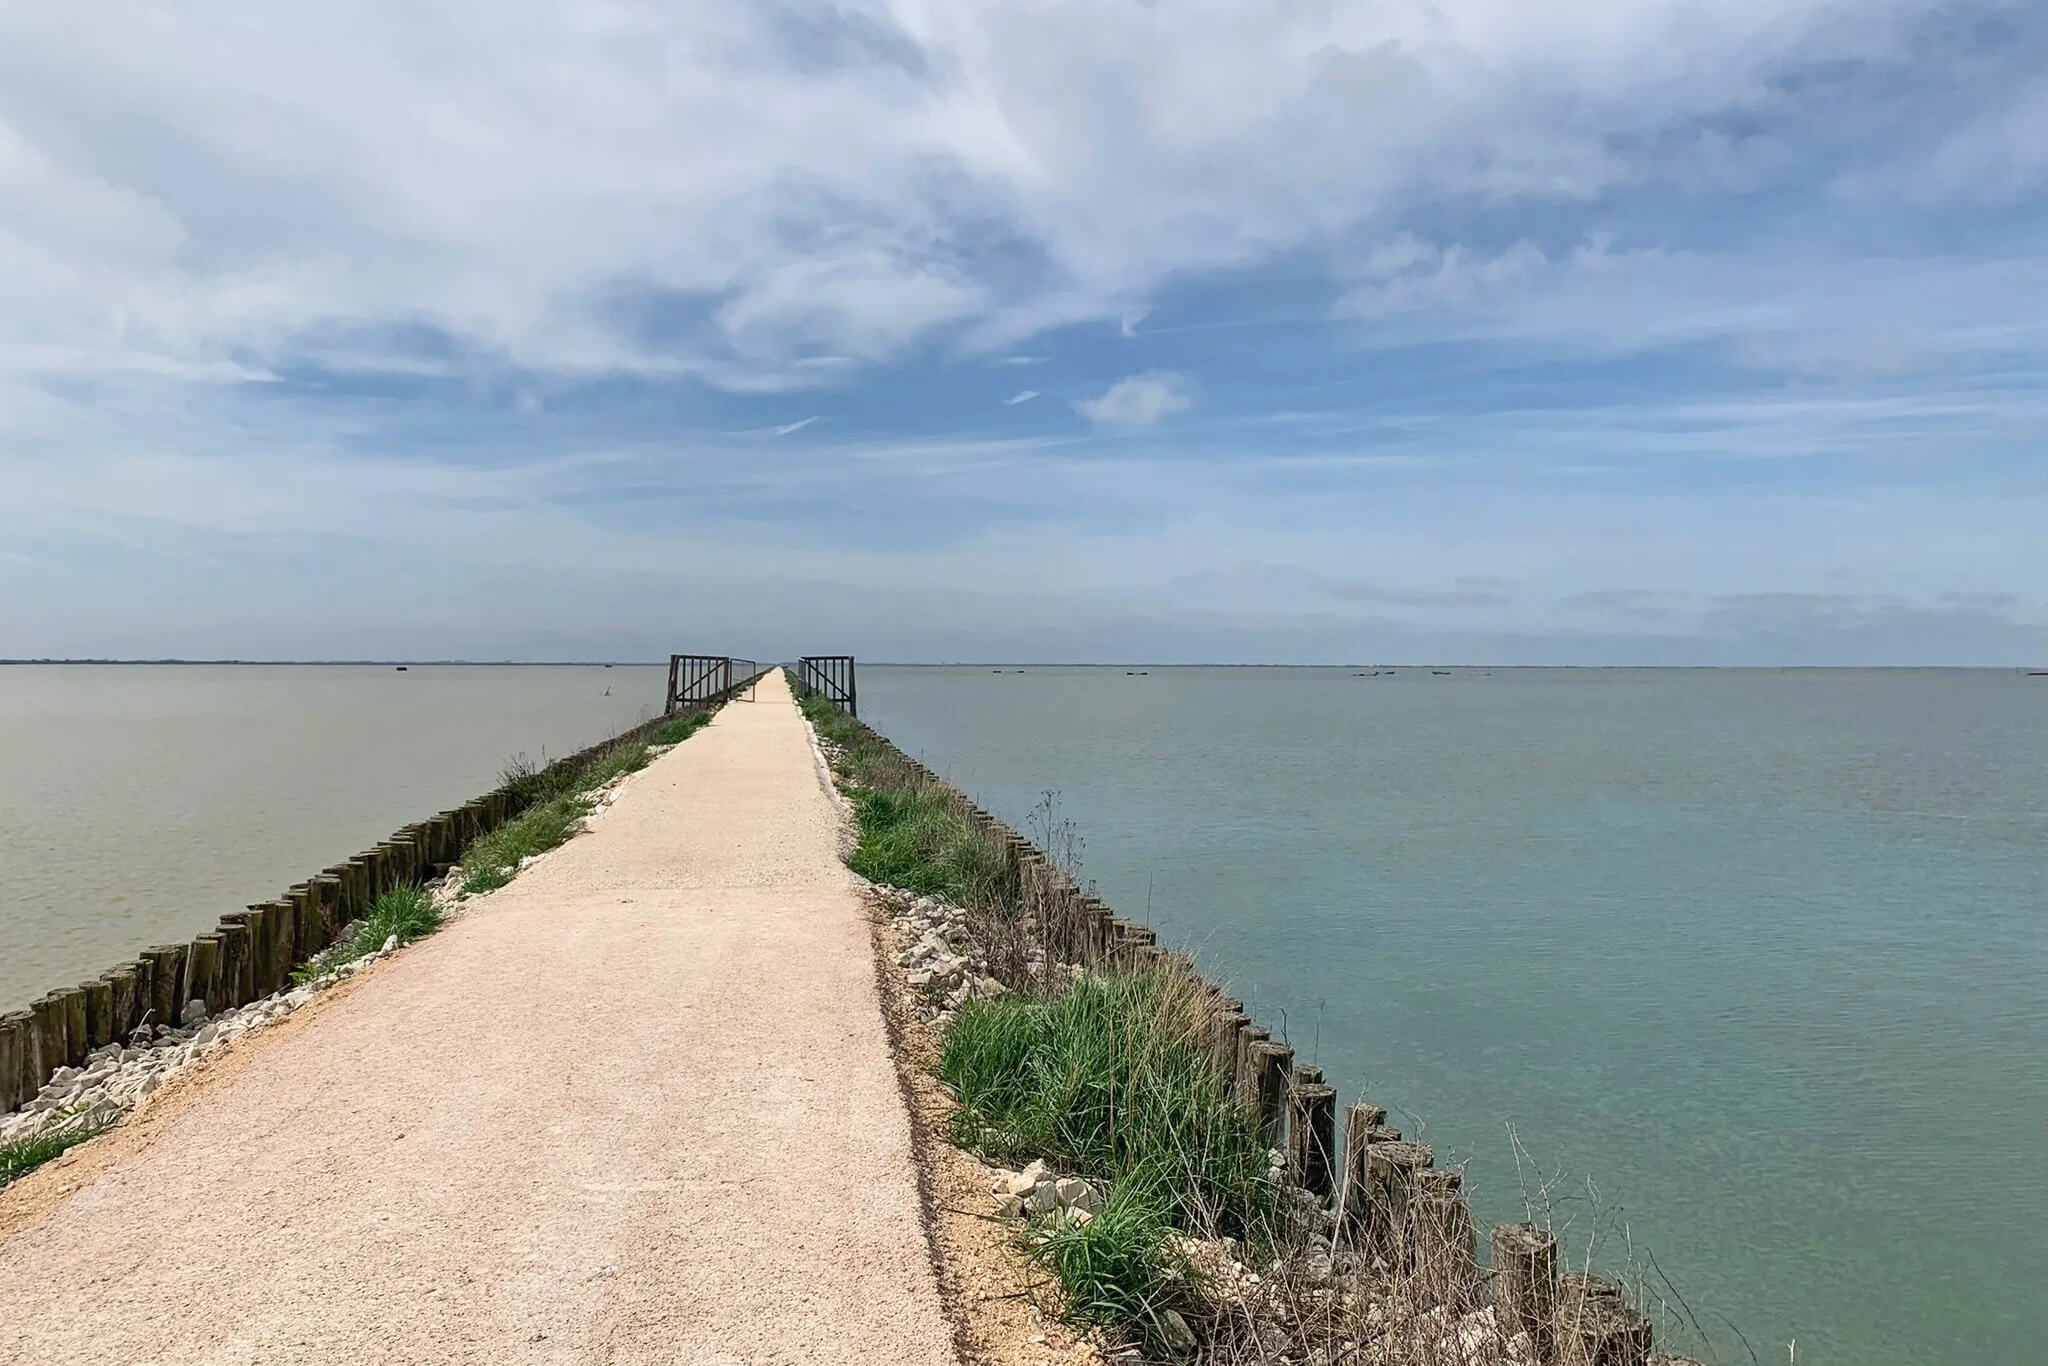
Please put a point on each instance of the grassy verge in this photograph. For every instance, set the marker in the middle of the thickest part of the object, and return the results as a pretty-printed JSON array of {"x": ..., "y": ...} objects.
[
  {"x": 920, "y": 836},
  {"x": 559, "y": 800},
  {"x": 19, "y": 1158},
  {"x": 1112, "y": 1078}
]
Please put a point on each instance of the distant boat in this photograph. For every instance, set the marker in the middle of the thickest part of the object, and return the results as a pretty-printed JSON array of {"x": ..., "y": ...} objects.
[
  {"x": 1441, "y": 673},
  {"x": 2037, "y": 673},
  {"x": 401, "y": 668}
]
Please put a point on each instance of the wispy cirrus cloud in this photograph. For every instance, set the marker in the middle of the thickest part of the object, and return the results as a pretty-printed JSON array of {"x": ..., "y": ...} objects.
[{"x": 1021, "y": 396}]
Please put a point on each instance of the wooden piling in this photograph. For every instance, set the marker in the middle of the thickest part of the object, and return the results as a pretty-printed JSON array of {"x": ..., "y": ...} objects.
[
  {"x": 16, "y": 1039},
  {"x": 1525, "y": 1284},
  {"x": 144, "y": 1017},
  {"x": 327, "y": 892},
  {"x": 121, "y": 982},
  {"x": 1249, "y": 1035},
  {"x": 1441, "y": 1234},
  {"x": 202, "y": 973},
  {"x": 1606, "y": 1331},
  {"x": 1391, "y": 1172},
  {"x": 309, "y": 931},
  {"x": 237, "y": 967},
  {"x": 166, "y": 978},
  {"x": 1312, "y": 1134},
  {"x": 100, "y": 1027},
  {"x": 77, "y": 1032},
  {"x": 1224, "y": 1028},
  {"x": 1271, "y": 1063},
  {"x": 51, "y": 1047},
  {"x": 283, "y": 945},
  {"x": 1361, "y": 1123}
]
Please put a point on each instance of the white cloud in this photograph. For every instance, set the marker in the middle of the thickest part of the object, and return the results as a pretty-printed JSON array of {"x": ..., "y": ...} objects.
[
  {"x": 1021, "y": 396},
  {"x": 786, "y": 428},
  {"x": 720, "y": 190},
  {"x": 1139, "y": 401}
]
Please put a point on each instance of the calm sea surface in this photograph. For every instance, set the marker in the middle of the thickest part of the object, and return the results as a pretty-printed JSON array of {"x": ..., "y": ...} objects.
[
  {"x": 140, "y": 802},
  {"x": 1755, "y": 964}
]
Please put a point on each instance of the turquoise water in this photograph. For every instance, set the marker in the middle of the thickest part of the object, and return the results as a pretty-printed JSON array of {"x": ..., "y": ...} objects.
[{"x": 1753, "y": 965}]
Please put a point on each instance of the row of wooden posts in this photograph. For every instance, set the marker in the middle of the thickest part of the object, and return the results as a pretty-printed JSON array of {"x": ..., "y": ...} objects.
[
  {"x": 1390, "y": 1200},
  {"x": 250, "y": 954}
]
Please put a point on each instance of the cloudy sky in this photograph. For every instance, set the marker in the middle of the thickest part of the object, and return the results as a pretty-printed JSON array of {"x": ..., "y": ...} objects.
[{"x": 1660, "y": 331}]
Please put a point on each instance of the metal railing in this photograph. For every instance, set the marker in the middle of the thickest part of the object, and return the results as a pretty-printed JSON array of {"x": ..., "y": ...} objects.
[
  {"x": 699, "y": 681},
  {"x": 830, "y": 677}
]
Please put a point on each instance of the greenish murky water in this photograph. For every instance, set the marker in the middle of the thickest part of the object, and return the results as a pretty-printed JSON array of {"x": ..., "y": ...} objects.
[
  {"x": 140, "y": 802},
  {"x": 1753, "y": 964}
]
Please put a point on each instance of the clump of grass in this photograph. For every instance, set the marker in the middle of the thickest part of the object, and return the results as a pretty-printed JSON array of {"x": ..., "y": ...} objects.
[
  {"x": 1120, "y": 1270},
  {"x": 1112, "y": 1078},
  {"x": 677, "y": 729},
  {"x": 490, "y": 860},
  {"x": 407, "y": 912},
  {"x": 24, "y": 1155}
]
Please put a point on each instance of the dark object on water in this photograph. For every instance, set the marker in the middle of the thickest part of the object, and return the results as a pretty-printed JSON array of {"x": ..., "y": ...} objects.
[
  {"x": 2037, "y": 673},
  {"x": 401, "y": 668},
  {"x": 1441, "y": 673}
]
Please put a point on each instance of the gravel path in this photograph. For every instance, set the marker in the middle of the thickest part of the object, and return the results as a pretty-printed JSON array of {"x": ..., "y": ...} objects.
[{"x": 636, "y": 1107}]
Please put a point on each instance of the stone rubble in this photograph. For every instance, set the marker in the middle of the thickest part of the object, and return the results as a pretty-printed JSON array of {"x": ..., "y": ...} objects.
[{"x": 942, "y": 964}]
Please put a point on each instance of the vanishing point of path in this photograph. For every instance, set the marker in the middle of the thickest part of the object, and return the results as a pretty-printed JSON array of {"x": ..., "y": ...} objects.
[{"x": 638, "y": 1106}]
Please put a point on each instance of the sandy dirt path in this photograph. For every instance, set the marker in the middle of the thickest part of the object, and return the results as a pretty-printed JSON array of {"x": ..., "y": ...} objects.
[{"x": 638, "y": 1106}]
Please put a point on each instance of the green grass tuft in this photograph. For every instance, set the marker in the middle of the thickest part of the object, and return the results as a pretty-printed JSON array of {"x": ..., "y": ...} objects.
[
  {"x": 408, "y": 912},
  {"x": 677, "y": 729},
  {"x": 1120, "y": 1270},
  {"x": 491, "y": 860},
  {"x": 1111, "y": 1078},
  {"x": 19, "y": 1158}
]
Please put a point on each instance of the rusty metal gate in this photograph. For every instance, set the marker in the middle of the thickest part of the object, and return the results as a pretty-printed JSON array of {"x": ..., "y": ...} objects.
[
  {"x": 830, "y": 677},
  {"x": 697, "y": 681}
]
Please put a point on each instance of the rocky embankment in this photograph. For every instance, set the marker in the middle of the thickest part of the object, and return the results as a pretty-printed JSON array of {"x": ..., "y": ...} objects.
[{"x": 1316, "y": 1304}]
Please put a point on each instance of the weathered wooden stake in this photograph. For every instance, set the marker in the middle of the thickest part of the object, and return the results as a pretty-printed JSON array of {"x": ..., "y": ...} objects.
[
  {"x": 284, "y": 947},
  {"x": 1270, "y": 1065},
  {"x": 308, "y": 929},
  {"x": 1312, "y": 1134},
  {"x": 1391, "y": 1171},
  {"x": 202, "y": 973},
  {"x": 100, "y": 1027},
  {"x": 121, "y": 984},
  {"x": 1223, "y": 1038},
  {"x": 15, "y": 1040},
  {"x": 1606, "y": 1331},
  {"x": 77, "y": 1032},
  {"x": 1248, "y": 1037},
  {"x": 144, "y": 969},
  {"x": 327, "y": 891},
  {"x": 51, "y": 1047},
  {"x": 1440, "y": 1231},
  {"x": 237, "y": 969},
  {"x": 167, "y": 976},
  {"x": 1525, "y": 1284},
  {"x": 1361, "y": 1123}
]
